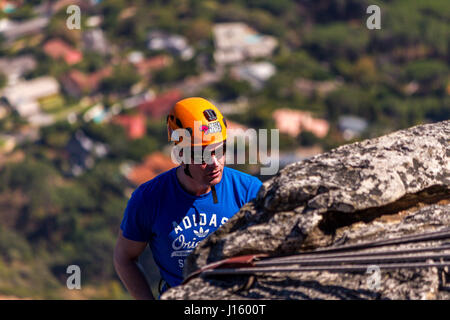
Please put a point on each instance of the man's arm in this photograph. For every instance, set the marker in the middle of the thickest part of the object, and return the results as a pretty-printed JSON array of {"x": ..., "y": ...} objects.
[{"x": 126, "y": 254}]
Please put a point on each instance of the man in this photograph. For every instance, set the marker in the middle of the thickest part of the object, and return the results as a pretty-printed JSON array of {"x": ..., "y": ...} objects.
[{"x": 179, "y": 208}]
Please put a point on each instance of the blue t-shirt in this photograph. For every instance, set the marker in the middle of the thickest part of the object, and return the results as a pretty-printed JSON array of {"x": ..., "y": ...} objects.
[{"x": 173, "y": 221}]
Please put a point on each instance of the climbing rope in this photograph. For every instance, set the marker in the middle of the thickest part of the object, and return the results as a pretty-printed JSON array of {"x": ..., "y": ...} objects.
[{"x": 344, "y": 258}]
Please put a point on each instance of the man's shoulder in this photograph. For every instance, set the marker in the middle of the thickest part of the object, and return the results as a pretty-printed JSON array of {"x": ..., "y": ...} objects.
[
  {"x": 245, "y": 185},
  {"x": 241, "y": 176}
]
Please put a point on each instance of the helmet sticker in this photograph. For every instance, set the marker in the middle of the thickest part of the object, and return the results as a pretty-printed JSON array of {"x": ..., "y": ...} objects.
[{"x": 214, "y": 127}]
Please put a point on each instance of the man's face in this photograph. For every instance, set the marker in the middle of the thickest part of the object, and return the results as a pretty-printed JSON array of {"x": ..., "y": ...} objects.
[{"x": 210, "y": 171}]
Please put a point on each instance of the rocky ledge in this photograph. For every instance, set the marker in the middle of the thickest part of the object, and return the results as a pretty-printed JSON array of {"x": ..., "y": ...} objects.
[{"x": 382, "y": 188}]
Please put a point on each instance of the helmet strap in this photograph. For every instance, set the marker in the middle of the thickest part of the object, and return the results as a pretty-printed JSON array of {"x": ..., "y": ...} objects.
[
  {"x": 186, "y": 171},
  {"x": 213, "y": 188},
  {"x": 214, "y": 194}
]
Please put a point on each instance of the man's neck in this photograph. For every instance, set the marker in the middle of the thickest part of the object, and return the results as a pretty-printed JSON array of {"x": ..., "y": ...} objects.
[{"x": 190, "y": 185}]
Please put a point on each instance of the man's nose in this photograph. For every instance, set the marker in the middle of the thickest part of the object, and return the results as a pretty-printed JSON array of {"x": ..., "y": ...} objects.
[{"x": 214, "y": 161}]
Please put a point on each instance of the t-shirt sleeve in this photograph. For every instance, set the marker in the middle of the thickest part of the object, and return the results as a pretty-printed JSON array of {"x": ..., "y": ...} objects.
[
  {"x": 253, "y": 189},
  {"x": 134, "y": 223}
]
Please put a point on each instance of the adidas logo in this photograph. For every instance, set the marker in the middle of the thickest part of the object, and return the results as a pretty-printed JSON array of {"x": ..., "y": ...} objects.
[{"x": 200, "y": 233}]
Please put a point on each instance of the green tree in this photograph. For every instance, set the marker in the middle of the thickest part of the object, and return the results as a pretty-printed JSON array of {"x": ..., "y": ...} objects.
[
  {"x": 92, "y": 62},
  {"x": 230, "y": 89},
  {"x": 348, "y": 100},
  {"x": 429, "y": 73},
  {"x": 274, "y": 7},
  {"x": 3, "y": 80},
  {"x": 13, "y": 246},
  {"x": 56, "y": 135},
  {"x": 111, "y": 10},
  {"x": 123, "y": 77},
  {"x": 306, "y": 138},
  {"x": 178, "y": 71},
  {"x": 301, "y": 64},
  {"x": 337, "y": 40},
  {"x": 23, "y": 12}
]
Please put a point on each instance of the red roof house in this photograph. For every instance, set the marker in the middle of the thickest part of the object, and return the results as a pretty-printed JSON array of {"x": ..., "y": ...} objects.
[
  {"x": 145, "y": 66},
  {"x": 77, "y": 83},
  {"x": 293, "y": 122},
  {"x": 160, "y": 105},
  {"x": 58, "y": 49},
  {"x": 153, "y": 165},
  {"x": 134, "y": 125}
]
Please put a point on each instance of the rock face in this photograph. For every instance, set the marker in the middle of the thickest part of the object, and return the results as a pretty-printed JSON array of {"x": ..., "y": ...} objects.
[{"x": 381, "y": 188}]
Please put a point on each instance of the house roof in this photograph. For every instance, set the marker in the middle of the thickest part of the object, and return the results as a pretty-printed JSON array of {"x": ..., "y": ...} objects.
[
  {"x": 94, "y": 39},
  {"x": 292, "y": 122},
  {"x": 236, "y": 41},
  {"x": 82, "y": 82},
  {"x": 25, "y": 93},
  {"x": 232, "y": 34},
  {"x": 232, "y": 125},
  {"x": 134, "y": 125},
  {"x": 14, "y": 68},
  {"x": 353, "y": 123},
  {"x": 178, "y": 44},
  {"x": 13, "y": 30},
  {"x": 160, "y": 40},
  {"x": 237, "y": 130},
  {"x": 153, "y": 165},
  {"x": 160, "y": 106},
  {"x": 10, "y": 6},
  {"x": 256, "y": 72},
  {"x": 57, "y": 49},
  {"x": 152, "y": 64}
]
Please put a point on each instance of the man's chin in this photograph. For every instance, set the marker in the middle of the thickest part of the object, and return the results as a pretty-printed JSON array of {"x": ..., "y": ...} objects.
[{"x": 215, "y": 180}]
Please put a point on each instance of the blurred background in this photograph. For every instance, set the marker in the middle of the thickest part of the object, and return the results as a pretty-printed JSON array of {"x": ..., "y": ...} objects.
[{"x": 82, "y": 111}]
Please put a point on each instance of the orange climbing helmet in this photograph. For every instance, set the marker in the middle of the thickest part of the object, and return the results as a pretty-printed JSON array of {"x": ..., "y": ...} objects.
[{"x": 204, "y": 122}]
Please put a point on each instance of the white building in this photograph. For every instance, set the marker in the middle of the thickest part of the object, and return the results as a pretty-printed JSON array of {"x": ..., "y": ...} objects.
[
  {"x": 23, "y": 96},
  {"x": 94, "y": 40},
  {"x": 12, "y": 30},
  {"x": 236, "y": 42},
  {"x": 256, "y": 73},
  {"x": 176, "y": 44},
  {"x": 14, "y": 68},
  {"x": 351, "y": 126}
]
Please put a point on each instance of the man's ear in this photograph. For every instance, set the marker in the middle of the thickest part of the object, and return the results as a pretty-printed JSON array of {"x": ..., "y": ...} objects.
[{"x": 183, "y": 165}]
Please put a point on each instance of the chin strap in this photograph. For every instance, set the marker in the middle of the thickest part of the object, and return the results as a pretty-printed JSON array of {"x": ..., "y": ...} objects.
[
  {"x": 186, "y": 171},
  {"x": 213, "y": 188},
  {"x": 214, "y": 194}
]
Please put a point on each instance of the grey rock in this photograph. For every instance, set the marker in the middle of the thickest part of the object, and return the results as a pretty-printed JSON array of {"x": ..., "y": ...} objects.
[{"x": 380, "y": 188}]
